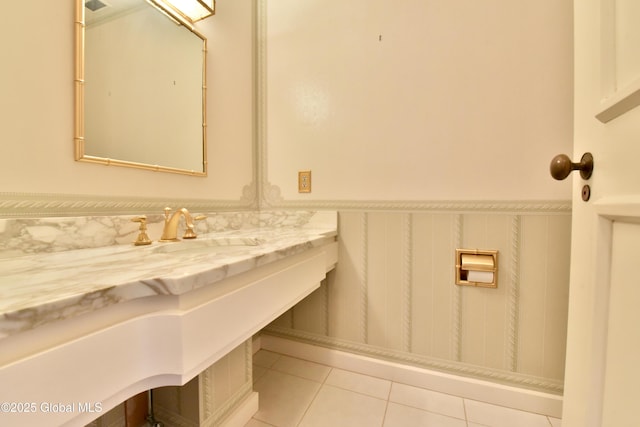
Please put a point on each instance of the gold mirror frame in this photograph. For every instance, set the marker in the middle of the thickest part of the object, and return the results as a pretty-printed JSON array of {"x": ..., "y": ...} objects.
[{"x": 79, "y": 104}]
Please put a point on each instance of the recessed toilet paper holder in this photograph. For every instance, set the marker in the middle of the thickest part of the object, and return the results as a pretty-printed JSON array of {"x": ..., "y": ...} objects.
[{"x": 477, "y": 267}]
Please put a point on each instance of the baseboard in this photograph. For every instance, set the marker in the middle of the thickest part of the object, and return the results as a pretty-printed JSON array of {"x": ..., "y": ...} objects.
[
  {"x": 469, "y": 388},
  {"x": 243, "y": 413}
]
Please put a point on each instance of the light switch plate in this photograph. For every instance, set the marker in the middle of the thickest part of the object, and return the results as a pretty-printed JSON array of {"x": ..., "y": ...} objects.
[{"x": 304, "y": 182}]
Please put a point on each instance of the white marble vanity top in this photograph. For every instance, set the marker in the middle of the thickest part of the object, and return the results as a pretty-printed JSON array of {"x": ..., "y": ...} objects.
[{"x": 38, "y": 288}]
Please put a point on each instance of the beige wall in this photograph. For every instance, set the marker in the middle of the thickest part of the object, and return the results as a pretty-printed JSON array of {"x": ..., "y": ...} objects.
[
  {"x": 429, "y": 125},
  {"x": 424, "y": 100},
  {"x": 36, "y": 106},
  {"x": 438, "y": 99}
]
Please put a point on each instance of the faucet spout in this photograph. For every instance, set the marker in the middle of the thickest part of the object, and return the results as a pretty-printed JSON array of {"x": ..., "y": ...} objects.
[{"x": 170, "y": 231}]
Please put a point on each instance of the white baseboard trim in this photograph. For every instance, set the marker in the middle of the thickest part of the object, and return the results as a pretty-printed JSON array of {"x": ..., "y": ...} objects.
[
  {"x": 243, "y": 413},
  {"x": 468, "y": 388}
]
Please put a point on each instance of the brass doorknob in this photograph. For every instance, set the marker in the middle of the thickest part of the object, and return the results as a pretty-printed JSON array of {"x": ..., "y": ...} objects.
[{"x": 561, "y": 166}]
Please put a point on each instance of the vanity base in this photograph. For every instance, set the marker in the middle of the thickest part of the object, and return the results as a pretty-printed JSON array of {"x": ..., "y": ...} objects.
[
  {"x": 222, "y": 396},
  {"x": 92, "y": 363}
]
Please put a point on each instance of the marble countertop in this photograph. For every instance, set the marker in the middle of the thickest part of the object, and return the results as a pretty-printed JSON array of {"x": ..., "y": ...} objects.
[{"x": 45, "y": 287}]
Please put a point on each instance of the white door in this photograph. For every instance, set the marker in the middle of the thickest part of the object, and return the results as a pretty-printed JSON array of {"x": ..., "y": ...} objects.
[{"x": 602, "y": 381}]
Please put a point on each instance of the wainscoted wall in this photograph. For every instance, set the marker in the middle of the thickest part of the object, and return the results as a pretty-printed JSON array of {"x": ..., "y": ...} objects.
[
  {"x": 407, "y": 116},
  {"x": 114, "y": 418},
  {"x": 212, "y": 395},
  {"x": 205, "y": 400},
  {"x": 393, "y": 293}
]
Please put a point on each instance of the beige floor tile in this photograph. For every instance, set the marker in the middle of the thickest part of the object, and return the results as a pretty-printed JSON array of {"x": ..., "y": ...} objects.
[
  {"x": 295, "y": 392},
  {"x": 336, "y": 407},
  {"x": 403, "y": 416},
  {"x": 427, "y": 400},
  {"x": 258, "y": 372},
  {"x": 302, "y": 368},
  {"x": 265, "y": 358},
  {"x": 283, "y": 398},
  {"x": 555, "y": 422},
  {"x": 256, "y": 423},
  {"x": 498, "y": 416},
  {"x": 364, "y": 384}
]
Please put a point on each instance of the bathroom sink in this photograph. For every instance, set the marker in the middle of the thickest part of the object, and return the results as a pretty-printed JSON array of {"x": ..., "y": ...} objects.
[{"x": 208, "y": 245}]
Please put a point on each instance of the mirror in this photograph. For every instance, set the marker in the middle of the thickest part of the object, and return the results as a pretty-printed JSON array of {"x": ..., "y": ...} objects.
[{"x": 140, "y": 88}]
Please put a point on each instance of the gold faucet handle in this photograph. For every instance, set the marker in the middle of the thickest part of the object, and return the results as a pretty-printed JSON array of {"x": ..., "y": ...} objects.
[
  {"x": 142, "y": 239},
  {"x": 190, "y": 233}
]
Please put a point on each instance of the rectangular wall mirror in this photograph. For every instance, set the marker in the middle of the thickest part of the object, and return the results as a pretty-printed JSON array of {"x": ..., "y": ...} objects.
[{"x": 140, "y": 82}]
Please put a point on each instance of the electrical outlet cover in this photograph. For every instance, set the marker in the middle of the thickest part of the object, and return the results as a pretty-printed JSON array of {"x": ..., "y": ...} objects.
[{"x": 304, "y": 182}]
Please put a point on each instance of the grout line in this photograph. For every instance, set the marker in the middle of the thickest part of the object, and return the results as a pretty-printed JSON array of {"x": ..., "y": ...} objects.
[
  {"x": 388, "y": 399},
  {"x": 464, "y": 409},
  {"x": 298, "y": 376},
  {"x": 356, "y": 392},
  {"x": 315, "y": 396},
  {"x": 384, "y": 416},
  {"x": 324, "y": 381},
  {"x": 426, "y": 410},
  {"x": 429, "y": 411}
]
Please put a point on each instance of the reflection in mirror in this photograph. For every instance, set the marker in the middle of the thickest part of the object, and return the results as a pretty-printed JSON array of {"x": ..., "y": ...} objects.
[{"x": 140, "y": 88}]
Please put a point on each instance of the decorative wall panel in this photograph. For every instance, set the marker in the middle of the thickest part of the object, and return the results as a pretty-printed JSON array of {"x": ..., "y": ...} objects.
[
  {"x": 393, "y": 294},
  {"x": 114, "y": 418},
  {"x": 204, "y": 401}
]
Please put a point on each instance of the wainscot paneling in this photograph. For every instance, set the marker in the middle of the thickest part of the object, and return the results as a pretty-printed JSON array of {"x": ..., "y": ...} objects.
[
  {"x": 393, "y": 294},
  {"x": 205, "y": 401}
]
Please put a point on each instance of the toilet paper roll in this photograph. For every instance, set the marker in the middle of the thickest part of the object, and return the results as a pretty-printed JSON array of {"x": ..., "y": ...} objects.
[{"x": 480, "y": 276}]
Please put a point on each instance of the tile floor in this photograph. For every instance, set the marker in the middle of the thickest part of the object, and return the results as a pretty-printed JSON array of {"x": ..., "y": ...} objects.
[{"x": 295, "y": 392}]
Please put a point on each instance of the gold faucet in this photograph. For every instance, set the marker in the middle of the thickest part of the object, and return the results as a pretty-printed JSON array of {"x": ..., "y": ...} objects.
[
  {"x": 143, "y": 238},
  {"x": 170, "y": 231}
]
